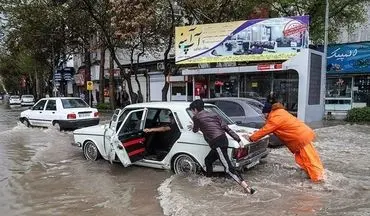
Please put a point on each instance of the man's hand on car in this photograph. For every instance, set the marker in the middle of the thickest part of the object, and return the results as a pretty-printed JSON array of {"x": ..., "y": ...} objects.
[{"x": 190, "y": 127}]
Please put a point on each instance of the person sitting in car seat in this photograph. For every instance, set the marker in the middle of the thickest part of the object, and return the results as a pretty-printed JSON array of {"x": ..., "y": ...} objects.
[
  {"x": 171, "y": 126},
  {"x": 169, "y": 133}
]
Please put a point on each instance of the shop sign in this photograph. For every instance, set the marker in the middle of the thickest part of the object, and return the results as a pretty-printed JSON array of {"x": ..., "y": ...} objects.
[
  {"x": 116, "y": 73},
  {"x": 89, "y": 86},
  {"x": 79, "y": 79},
  {"x": 349, "y": 58},
  {"x": 251, "y": 40},
  {"x": 269, "y": 66}
]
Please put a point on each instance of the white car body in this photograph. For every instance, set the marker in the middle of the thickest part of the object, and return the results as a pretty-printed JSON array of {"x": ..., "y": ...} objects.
[
  {"x": 111, "y": 147},
  {"x": 27, "y": 100},
  {"x": 62, "y": 112},
  {"x": 14, "y": 100}
]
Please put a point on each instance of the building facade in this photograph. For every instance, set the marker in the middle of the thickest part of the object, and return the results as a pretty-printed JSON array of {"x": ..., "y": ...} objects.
[{"x": 348, "y": 77}]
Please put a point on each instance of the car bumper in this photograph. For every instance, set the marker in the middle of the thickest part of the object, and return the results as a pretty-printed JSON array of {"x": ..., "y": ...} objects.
[
  {"x": 250, "y": 162},
  {"x": 74, "y": 124},
  {"x": 27, "y": 103}
]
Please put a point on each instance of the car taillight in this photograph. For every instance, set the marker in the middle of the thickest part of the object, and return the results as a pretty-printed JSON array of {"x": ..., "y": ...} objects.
[
  {"x": 96, "y": 114},
  {"x": 71, "y": 116},
  {"x": 240, "y": 153}
]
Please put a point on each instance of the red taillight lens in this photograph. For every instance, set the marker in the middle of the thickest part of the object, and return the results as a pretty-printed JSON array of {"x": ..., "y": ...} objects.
[
  {"x": 240, "y": 153},
  {"x": 96, "y": 114},
  {"x": 71, "y": 116}
]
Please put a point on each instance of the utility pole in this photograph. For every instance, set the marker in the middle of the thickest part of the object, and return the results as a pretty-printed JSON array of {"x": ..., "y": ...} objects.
[
  {"x": 53, "y": 60},
  {"x": 325, "y": 48}
]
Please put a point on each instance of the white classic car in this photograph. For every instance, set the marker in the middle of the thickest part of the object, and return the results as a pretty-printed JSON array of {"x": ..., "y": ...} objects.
[{"x": 123, "y": 140}]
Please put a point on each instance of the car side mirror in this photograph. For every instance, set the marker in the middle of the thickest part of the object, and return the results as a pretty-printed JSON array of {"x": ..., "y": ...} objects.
[{"x": 238, "y": 122}]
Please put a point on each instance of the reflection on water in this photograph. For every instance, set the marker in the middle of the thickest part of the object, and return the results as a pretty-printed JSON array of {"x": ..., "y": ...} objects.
[{"x": 42, "y": 174}]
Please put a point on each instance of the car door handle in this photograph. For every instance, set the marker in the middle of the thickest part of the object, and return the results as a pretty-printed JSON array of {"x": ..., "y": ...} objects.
[
  {"x": 40, "y": 112},
  {"x": 53, "y": 112}
]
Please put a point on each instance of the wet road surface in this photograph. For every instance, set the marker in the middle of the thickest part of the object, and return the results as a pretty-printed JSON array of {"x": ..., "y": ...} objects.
[{"x": 42, "y": 174}]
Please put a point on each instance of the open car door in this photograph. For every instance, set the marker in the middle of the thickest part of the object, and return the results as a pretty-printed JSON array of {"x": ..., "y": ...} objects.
[{"x": 129, "y": 141}]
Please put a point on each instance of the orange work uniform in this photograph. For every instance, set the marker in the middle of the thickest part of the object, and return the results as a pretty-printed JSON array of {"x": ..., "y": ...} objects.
[{"x": 295, "y": 135}]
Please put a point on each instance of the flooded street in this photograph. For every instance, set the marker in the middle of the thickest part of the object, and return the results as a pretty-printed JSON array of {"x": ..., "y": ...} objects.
[{"x": 42, "y": 174}]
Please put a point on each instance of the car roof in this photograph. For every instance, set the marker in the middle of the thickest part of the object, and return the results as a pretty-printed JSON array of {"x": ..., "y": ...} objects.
[
  {"x": 233, "y": 99},
  {"x": 62, "y": 98},
  {"x": 164, "y": 105}
]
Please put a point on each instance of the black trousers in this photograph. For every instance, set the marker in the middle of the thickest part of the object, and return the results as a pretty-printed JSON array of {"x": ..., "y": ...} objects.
[{"x": 219, "y": 151}]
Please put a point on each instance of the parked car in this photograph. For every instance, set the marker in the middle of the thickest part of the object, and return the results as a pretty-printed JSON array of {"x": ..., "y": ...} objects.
[
  {"x": 14, "y": 100},
  {"x": 62, "y": 113},
  {"x": 123, "y": 140},
  {"x": 253, "y": 95},
  {"x": 27, "y": 100},
  {"x": 245, "y": 112}
]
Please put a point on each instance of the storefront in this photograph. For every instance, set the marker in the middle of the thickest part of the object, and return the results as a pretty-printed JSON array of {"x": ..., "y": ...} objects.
[
  {"x": 250, "y": 84},
  {"x": 253, "y": 58},
  {"x": 348, "y": 77}
]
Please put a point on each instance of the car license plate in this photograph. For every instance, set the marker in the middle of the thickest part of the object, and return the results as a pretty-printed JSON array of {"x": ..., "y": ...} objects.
[
  {"x": 84, "y": 115},
  {"x": 254, "y": 163}
]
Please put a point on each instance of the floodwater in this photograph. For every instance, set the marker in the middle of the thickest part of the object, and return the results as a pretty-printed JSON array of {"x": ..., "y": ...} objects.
[{"x": 42, "y": 174}]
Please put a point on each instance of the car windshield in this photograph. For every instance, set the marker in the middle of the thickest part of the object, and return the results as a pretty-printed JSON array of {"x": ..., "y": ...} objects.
[
  {"x": 27, "y": 96},
  {"x": 74, "y": 103},
  {"x": 214, "y": 109},
  {"x": 14, "y": 97}
]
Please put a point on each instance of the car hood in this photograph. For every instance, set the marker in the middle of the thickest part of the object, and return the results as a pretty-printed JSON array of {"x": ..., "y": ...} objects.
[{"x": 93, "y": 130}]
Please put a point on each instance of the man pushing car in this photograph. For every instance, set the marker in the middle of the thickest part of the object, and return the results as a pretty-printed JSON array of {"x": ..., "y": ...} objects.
[
  {"x": 296, "y": 135},
  {"x": 213, "y": 129}
]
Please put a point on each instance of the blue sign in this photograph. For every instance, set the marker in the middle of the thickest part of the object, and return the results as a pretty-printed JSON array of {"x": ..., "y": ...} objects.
[{"x": 349, "y": 58}]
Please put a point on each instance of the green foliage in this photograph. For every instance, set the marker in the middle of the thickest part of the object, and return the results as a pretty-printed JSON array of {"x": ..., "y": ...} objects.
[
  {"x": 103, "y": 106},
  {"x": 359, "y": 115},
  {"x": 343, "y": 14}
]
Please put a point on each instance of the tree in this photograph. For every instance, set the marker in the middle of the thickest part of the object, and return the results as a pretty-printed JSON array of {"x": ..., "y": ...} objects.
[{"x": 343, "y": 14}]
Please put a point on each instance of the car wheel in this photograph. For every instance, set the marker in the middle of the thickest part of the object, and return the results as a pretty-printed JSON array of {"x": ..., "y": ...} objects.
[
  {"x": 26, "y": 122},
  {"x": 91, "y": 152},
  {"x": 185, "y": 164},
  {"x": 56, "y": 125}
]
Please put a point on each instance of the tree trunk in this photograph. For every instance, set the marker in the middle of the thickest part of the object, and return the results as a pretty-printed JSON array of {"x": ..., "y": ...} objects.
[
  {"x": 167, "y": 65},
  {"x": 101, "y": 74},
  {"x": 111, "y": 83},
  {"x": 140, "y": 98},
  {"x": 87, "y": 73}
]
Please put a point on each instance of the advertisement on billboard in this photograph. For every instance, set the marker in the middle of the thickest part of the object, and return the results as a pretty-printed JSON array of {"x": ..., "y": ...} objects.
[
  {"x": 349, "y": 58},
  {"x": 251, "y": 40}
]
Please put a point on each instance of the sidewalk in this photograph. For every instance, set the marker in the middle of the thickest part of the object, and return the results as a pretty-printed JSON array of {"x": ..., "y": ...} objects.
[{"x": 326, "y": 123}]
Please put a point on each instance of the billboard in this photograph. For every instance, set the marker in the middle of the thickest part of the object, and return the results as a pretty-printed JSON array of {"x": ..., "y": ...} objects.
[
  {"x": 251, "y": 40},
  {"x": 349, "y": 58}
]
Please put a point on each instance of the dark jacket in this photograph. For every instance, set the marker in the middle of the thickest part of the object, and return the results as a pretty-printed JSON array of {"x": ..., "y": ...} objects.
[{"x": 212, "y": 126}]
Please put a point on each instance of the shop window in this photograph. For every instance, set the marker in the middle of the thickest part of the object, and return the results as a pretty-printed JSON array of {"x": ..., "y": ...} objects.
[
  {"x": 230, "y": 108},
  {"x": 286, "y": 89},
  {"x": 338, "y": 87},
  {"x": 361, "y": 90}
]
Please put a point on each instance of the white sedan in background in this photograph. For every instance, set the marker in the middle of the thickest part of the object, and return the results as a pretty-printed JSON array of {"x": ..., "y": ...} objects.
[
  {"x": 123, "y": 140},
  {"x": 14, "y": 100},
  {"x": 27, "y": 100},
  {"x": 60, "y": 112}
]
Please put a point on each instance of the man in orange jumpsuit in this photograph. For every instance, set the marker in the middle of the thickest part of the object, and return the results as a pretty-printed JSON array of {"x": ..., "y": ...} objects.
[{"x": 296, "y": 135}]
